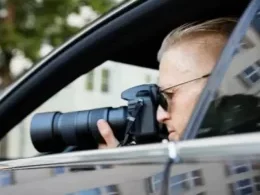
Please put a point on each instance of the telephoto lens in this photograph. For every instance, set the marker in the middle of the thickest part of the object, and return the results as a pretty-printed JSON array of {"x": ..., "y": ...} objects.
[{"x": 55, "y": 131}]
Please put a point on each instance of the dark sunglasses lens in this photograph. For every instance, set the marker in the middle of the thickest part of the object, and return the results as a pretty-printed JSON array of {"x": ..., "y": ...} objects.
[{"x": 163, "y": 102}]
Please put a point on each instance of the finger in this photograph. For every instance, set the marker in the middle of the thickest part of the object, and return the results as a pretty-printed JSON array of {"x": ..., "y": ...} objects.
[
  {"x": 107, "y": 133},
  {"x": 102, "y": 146}
]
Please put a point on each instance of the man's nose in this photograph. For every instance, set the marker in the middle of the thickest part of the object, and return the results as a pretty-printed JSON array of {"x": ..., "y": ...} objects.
[{"x": 162, "y": 115}]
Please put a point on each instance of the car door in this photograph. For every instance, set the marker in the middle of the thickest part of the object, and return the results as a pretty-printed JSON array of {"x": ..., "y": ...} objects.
[{"x": 133, "y": 170}]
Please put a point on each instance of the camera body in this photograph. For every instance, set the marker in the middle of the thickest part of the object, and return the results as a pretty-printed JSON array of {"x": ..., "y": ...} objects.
[{"x": 135, "y": 123}]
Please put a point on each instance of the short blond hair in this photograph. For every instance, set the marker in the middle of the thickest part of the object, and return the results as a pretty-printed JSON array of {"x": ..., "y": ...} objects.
[{"x": 222, "y": 26}]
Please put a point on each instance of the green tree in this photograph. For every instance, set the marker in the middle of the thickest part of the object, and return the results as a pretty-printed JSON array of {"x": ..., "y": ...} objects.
[{"x": 26, "y": 24}]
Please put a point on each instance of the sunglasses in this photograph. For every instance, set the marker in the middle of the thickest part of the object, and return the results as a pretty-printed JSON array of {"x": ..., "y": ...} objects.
[{"x": 163, "y": 100}]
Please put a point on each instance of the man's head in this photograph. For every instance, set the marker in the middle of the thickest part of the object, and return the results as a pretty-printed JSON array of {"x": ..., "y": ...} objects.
[{"x": 188, "y": 52}]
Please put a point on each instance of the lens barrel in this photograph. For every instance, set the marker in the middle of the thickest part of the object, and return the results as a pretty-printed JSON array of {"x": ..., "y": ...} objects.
[{"x": 54, "y": 131}]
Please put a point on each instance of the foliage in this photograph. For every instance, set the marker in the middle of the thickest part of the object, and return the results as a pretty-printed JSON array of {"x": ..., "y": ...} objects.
[{"x": 26, "y": 24}]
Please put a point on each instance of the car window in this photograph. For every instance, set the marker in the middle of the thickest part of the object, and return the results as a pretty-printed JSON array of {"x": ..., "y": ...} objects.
[
  {"x": 235, "y": 108},
  {"x": 101, "y": 87}
]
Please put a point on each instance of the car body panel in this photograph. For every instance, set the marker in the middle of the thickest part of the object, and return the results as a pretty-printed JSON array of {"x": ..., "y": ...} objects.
[{"x": 131, "y": 169}]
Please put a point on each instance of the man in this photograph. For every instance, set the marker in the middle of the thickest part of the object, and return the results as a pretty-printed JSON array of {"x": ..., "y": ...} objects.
[{"x": 187, "y": 53}]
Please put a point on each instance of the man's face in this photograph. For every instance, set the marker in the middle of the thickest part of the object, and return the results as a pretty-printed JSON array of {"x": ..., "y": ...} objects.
[{"x": 187, "y": 60}]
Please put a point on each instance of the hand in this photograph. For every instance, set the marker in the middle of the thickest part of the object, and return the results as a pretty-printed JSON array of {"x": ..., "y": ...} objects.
[{"x": 107, "y": 134}]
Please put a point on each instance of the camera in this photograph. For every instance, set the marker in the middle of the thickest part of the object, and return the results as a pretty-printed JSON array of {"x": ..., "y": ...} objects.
[{"x": 132, "y": 124}]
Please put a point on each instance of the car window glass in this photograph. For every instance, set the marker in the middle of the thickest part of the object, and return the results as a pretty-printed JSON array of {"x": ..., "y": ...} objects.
[{"x": 236, "y": 106}]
